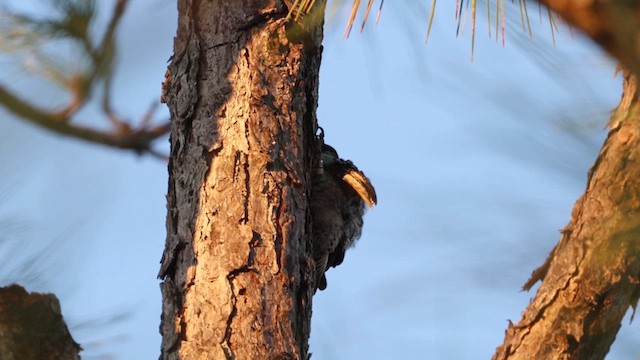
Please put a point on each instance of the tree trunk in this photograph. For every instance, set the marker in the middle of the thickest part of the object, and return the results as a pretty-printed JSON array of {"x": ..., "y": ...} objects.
[
  {"x": 237, "y": 271},
  {"x": 591, "y": 277},
  {"x": 614, "y": 25},
  {"x": 32, "y": 327}
]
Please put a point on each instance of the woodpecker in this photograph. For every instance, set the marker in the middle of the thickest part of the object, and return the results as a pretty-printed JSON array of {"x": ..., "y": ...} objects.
[{"x": 338, "y": 197}]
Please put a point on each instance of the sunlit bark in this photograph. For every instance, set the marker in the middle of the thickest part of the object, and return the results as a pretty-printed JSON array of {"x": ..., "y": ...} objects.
[
  {"x": 591, "y": 278},
  {"x": 242, "y": 91}
]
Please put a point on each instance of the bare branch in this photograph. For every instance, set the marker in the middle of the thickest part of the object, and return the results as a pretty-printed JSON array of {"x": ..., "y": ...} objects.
[
  {"x": 138, "y": 140},
  {"x": 118, "y": 12},
  {"x": 81, "y": 84}
]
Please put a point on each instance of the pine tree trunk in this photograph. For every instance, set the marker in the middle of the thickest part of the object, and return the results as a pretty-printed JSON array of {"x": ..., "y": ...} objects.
[
  {"x": 242, "y": 91},
  {"x": 591, "y": 278}
]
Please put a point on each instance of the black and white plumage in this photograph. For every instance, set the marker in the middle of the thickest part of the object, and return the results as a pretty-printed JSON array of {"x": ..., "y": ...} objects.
[{"x": 340, "y": 192}]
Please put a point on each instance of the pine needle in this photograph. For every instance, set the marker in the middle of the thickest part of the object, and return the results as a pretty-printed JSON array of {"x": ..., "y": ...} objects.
[
  {"x": 366, "y": 15},
  {"x": 570, "y": 31},
  {"x": 300, "y": 9},
  {"x": 555, "y": 22},
  {"x": 504, "y": 40},
  {"x": 473, "y": 26},
  {"x": 459, "y": 17},
  {"x": 293, "y": 6},
  {"x": 551, "y": 24},
  {"x": 526, "y": 16},
  {"x": 540, "y": 12},
  {"x": 463, "y": 21},
  {"x": 308, "y": 8},
  {"x": 489, "y": 16},
  {"x": 521, "y": 15},
  {"x": 497, "y": 18},
  {"x": 431, "y": 12},
  {"x": 352, "y": 17},
  {"x": 380, "y": 11},
  {"x": 332, "y": 12}
]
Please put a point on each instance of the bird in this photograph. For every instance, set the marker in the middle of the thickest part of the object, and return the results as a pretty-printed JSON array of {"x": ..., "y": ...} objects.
[{"x": 338, "y": 197}]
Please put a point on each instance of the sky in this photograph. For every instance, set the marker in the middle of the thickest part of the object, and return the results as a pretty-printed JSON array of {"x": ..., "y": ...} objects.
[{"x": 476, "y": 164}]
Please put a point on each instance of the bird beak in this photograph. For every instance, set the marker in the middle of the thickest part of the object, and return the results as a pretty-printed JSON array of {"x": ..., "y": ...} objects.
[{"x": 362, "y": 186}]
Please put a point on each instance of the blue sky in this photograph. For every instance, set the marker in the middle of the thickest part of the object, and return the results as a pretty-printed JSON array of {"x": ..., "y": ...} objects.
[{"x": 476, "y": 164}]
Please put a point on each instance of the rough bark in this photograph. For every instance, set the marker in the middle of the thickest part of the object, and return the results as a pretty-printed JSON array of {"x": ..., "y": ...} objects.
[
  {"x": 242, "y": 91},
  {"x": 614, "y": 25},
  {"x": 591, "y": 277},
  {"x": 32, "y": 328}
]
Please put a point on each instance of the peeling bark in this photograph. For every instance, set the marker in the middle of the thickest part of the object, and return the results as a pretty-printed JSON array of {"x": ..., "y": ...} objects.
[
  {"x": 591, "y": 277},
  {"x": 242, "y": 91}
]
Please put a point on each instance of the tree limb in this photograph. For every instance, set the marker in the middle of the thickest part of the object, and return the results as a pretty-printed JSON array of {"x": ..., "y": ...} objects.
[
  {"x": 32, "y": 327},
  {"x": 80, "y": 85},
  {"x": 591, "y": 278},
  {"x": 138, "y": 140},
  {"x": 614, "y": 25}
]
